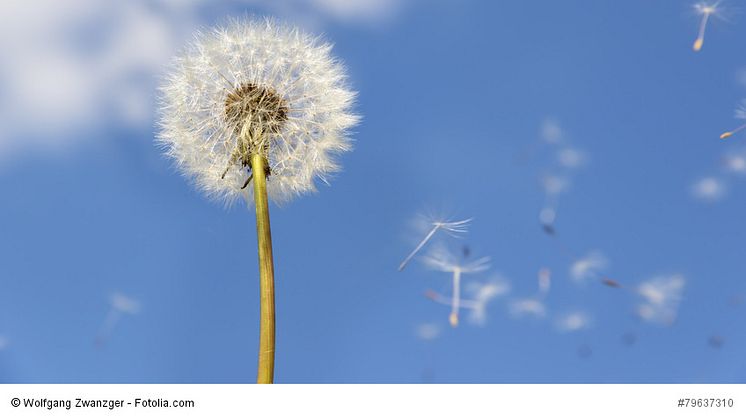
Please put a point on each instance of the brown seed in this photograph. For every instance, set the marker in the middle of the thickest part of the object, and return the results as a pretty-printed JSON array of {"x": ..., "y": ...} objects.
[{"x": 611, "y": 283}]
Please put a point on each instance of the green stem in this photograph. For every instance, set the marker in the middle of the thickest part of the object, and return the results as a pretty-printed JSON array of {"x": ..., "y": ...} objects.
[{"x": 265, "y": 372}]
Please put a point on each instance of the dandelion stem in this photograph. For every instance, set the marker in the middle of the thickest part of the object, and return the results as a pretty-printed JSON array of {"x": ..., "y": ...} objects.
[{"x": 265, "y": 372}]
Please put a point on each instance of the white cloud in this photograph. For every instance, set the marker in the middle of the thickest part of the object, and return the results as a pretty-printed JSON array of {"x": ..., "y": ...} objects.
[{"x": 358, "y": 9}]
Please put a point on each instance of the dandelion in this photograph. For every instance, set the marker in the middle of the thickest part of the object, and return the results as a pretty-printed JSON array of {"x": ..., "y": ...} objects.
[
  {"x": 257, "y": 102},
  {"x": 739, "y": 114},
  {"x": 120, "y": 304},
  {"x": 706, "y": 10},
  {"x": 441, "y": 259},
  {"x": 661, "y": 296},
  {"x": 589, "y": 266},
  {"x": 452, "y": 227}
]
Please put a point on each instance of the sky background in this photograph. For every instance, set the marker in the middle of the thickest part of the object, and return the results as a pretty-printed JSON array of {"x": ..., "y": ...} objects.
[{"x": 458, "y": 100}]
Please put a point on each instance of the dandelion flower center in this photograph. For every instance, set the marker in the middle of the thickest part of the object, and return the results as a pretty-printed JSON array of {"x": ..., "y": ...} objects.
[{"x": 261, "y": 108}]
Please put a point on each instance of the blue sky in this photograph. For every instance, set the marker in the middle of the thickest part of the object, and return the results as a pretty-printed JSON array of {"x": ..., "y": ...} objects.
[{"x": 451, "y": 94}]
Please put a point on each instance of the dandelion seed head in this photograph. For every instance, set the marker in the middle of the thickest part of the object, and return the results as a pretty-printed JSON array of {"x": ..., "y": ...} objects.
[
  {"x": 661, "y": 297},
  {"x": 256, "y": 86},
  {"x": 705, "y": 8},
  {"x": 588, "y": 267}
]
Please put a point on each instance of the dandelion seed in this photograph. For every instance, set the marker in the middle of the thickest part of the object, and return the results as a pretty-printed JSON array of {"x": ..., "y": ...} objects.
[
  {"x": 428, "y": 331},
  {"x": 257, "y": 102},
  {"x": 573, "y": 321},
  {"x": 584, "y": 351},
  {"x": 481, "y": 295},
  {"x": 661, "y": 297},
  {"x": 708, "y": 189},
  {"x": 570, "y": 158},
  {"x": 546, "y": 219},
  {"x": 452, "y": 227},
  {"x": 739, "y": 114},
  {"x": 706, "y": 10},
  {"x": 551, "y": 131},
  {"x": 119, "y": 304},
  {"x": 610, "y": 282},
  {"x": 735, "y": 162},
  {"x": 527, "y": 307},
  {"x": 545, "y": 280},
  {"x": 554, "y": 185},
  {"x": 3, "y": 342},
  {"x": 716, "y": 341},
  {"x": 589, "y": 266},
  {"x": 629, "y": 338},
  {"x": 441, "y": 259}
]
